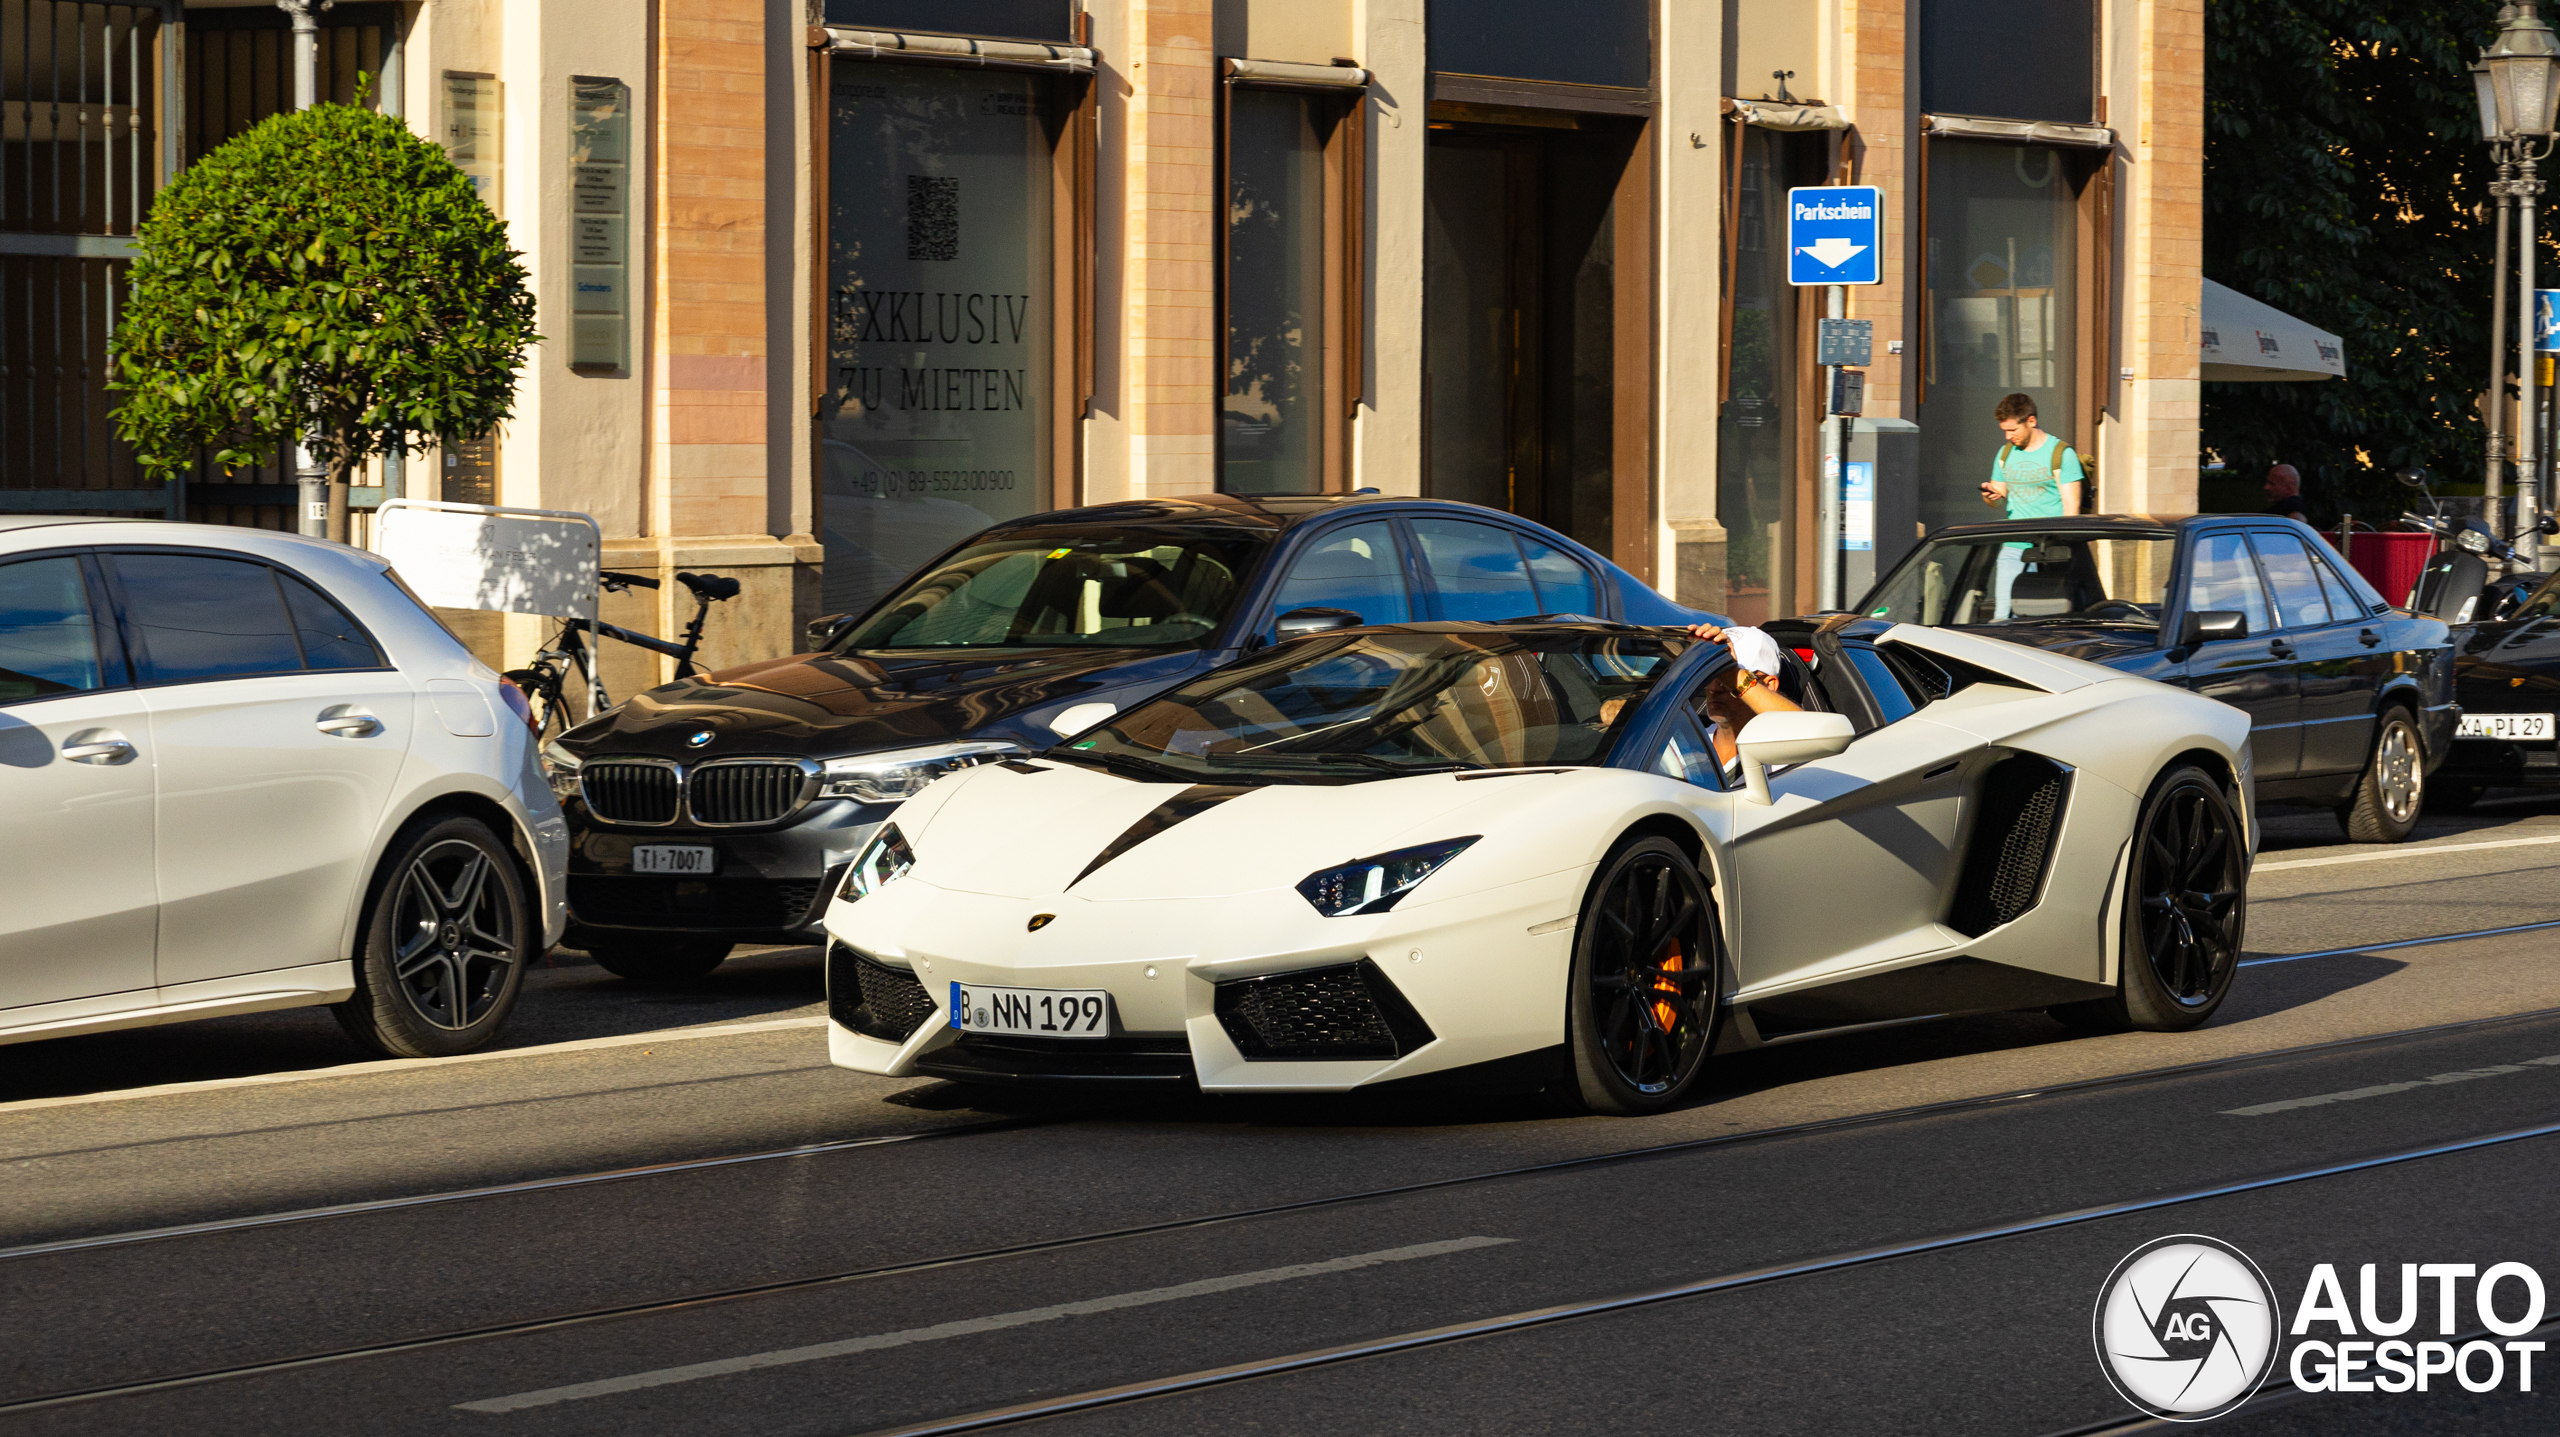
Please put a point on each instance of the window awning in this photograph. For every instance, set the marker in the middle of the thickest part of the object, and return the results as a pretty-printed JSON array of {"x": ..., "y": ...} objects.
[
  {"x": 2249, "y": 342},
  {"x": 959, "y": 50},
  {"x": 1770, "y": 115},
  {"x": 2033, "y": 132},
  {"x": 1282, "y": 72}
]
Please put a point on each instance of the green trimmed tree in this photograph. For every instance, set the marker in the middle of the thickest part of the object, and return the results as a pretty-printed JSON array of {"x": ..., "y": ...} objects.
[{"x": 327, "y": 277}]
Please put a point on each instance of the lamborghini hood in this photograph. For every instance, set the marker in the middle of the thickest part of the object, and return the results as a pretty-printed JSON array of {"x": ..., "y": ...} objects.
[{"x": 1013, "y": 833}]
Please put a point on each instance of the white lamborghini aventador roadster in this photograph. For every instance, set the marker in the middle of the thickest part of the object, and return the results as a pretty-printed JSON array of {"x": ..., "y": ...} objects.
[{"x": 1521, "y": 855}]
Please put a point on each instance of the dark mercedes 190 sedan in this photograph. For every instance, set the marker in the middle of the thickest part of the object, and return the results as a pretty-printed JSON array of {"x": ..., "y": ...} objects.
[
  {"x": 2351, "y": 701},
  {"x": 719, "y": 810}
]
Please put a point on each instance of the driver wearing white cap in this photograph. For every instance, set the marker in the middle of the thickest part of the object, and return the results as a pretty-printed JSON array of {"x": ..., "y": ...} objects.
[{"x": 1749, "y": 690}]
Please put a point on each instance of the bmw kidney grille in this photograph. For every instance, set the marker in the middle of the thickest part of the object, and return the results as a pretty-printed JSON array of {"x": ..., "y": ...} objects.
[{"x": 730, "y": 793}]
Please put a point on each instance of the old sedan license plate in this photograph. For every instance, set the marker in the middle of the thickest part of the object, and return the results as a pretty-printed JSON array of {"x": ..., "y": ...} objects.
[
  {"x": 2513, "y": 727},
  {"x": 1031, "y": 1012},
  {"x": 682, "y": 858}
]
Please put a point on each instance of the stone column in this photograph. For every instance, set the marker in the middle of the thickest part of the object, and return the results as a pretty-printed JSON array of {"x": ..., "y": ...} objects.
[
  {"x": 713, "y": 467},
  {"x": 1169, "y": 293},
  {"x": 2154, "y": 471}
]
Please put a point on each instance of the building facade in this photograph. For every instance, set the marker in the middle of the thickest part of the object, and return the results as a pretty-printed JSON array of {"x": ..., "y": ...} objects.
[{"x": 826, "y": 287}]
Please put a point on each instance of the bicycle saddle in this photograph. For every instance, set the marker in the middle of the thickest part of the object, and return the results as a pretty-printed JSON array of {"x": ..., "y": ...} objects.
[{"x": 714, "y": 587}]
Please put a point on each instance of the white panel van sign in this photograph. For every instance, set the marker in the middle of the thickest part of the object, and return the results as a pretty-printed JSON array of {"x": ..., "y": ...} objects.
[{"x": 478, "y": 556}]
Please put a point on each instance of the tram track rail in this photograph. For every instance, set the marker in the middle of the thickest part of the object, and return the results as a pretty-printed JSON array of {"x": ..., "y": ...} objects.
[
  {"x": 777, "y": 1287},
  {"x": 1534, "y": 1318},
  {"x": 807, "y": 1150}
]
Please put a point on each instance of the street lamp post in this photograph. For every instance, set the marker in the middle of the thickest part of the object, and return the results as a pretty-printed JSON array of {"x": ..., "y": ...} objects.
[{"x": 2518, "y": 81}]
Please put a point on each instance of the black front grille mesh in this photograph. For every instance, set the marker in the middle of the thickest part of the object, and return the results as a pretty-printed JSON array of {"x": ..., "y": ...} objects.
[
  {"x": 873, "y": 999},
  {"x": 2014, "y": 828},
  {"x": 630, "y": 792},
  {"x": 1350, "y": 1011},
  {"x": 744, "y": 792}
]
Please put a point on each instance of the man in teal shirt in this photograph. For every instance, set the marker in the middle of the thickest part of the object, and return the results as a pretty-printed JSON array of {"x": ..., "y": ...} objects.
[{"x": 2036, "y": 476}]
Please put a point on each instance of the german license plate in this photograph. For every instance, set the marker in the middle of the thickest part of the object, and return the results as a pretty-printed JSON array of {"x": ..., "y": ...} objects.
[
  {"x": 1031, "y": 1012},
  {"x": 2514, "y": 727},
  {"x": 685, "y": 858}
]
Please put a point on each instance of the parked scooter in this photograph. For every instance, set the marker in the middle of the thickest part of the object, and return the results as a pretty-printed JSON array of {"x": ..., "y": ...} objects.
[{"x": 2456, "y": 585}]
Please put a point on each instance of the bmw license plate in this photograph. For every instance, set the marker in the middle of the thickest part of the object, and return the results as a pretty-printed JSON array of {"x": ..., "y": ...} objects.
[
  {"x": 681, "y": 858},
  {"x": 1031, "y": 1012},
  {"x": 2513, "y": 727}
]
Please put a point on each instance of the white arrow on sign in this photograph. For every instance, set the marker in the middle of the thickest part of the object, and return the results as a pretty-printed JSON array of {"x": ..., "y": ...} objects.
[{"x": 1833, "y": 251}]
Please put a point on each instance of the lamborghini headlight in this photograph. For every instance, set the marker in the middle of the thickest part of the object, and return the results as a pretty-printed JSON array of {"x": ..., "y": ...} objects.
[
  {"x": 901, "y": 774},
  {"x": 883, "y": 861},
  {"x": 560, "y": 767},
  {"x": 1374, "y": 885}
]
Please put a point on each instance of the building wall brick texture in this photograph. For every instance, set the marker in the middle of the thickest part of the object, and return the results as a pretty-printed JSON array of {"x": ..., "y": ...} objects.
[
  {"x": 710, "y": 466},
  {"x": 1172, "y": 253}
]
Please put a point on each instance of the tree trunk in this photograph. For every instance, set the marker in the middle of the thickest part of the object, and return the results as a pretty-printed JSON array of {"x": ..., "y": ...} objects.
[{"x": 341, "y": 474}]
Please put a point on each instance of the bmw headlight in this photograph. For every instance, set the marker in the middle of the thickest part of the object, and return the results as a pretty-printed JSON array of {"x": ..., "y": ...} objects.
[
  {"x": 1374, "y": 885},
  {"x": 883, "y": 861},
  {"x": 561, "y": 767},
  {"x": 901, "y": 774}
]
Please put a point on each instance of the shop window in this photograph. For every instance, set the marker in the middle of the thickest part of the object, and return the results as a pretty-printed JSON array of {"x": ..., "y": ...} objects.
[
  {"x": 2007, "y": 310},
  {"x": 943, "y": 405},
  {"x": 1759, "y": 428},
  {"x": 1594, "y": 42},
  {"x": 1290, "y": 277},
  {"x": 1002, "y": 19},
  {"x": 2005, "y": 60}
]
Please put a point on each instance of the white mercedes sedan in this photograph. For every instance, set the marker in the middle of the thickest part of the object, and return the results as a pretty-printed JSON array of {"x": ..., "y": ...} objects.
[{"x": 244, "y": 770}]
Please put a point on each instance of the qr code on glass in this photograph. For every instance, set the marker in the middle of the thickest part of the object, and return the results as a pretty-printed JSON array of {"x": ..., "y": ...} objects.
[{"x": 933, "y": 217}]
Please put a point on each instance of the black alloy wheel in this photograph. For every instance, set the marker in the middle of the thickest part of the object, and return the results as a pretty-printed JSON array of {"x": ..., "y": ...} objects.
[
  {"x": 1645, "y": 987},
  {"x": 2186, "y": 907},
  {"x": 443, "y": 955}
]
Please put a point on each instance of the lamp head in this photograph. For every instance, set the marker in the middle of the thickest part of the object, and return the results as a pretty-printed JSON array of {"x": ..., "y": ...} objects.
[{"x": 2523, "y": 75}]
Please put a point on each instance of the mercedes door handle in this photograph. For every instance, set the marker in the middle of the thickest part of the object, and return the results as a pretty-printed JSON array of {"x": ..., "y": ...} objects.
[
  {"x": 347, "y": 722},
  {"x": 99, "y": 745}
]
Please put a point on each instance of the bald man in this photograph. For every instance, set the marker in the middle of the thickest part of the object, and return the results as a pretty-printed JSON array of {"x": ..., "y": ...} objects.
[{"x": 2284, "y": 491}]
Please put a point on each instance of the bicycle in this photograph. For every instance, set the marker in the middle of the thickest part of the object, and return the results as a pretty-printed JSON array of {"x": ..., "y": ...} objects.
[{"x": 545, "y": 681}]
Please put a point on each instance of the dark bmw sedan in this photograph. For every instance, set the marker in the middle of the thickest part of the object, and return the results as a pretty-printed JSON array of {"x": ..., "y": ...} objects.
[
  {"x": 719, "y": 810},
  {"x": 2352, "y": 701}
]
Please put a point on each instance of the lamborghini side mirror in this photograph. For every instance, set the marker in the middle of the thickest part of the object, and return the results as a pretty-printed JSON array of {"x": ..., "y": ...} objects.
[
  {"x": 1777, "y": 738},
  {"x": 2204, "y": 626}
]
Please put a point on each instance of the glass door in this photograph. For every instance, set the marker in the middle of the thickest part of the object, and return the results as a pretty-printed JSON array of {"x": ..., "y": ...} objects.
[
  {"x": 1522, "y": 320},
  {"x": 2003, "y": 311}
]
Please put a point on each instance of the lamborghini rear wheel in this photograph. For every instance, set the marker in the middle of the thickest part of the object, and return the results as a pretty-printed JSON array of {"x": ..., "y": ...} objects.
[{"x": 1645, "y": 992}]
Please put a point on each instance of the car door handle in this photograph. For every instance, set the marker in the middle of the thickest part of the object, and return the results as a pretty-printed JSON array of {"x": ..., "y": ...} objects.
[
  {"x": 345, "y": 721},
  {"x": 99, "y": 745},
  {"x": 2370, "y": 638},
  {"x": 2280, "y": 648}
]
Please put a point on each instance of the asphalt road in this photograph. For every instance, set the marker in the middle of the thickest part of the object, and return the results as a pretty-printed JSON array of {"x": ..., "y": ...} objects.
[{"x": 659, "y": 1209}]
